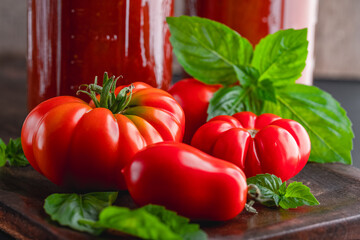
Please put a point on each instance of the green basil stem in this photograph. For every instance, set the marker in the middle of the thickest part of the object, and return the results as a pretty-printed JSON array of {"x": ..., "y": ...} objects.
[
  {"x": 108, "y": 99},
  {"x": 257, "y": 196}
]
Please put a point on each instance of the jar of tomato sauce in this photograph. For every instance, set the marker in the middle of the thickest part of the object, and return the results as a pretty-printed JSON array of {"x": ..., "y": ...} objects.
[
  {"x": 72, "y": 41},
  {"x": 254, "y": 19}
]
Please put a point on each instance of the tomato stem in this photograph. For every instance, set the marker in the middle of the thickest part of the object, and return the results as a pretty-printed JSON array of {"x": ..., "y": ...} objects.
[
  {"x": 104, "y": 96},
  {"x": 249, "y": 207},
  {"x": 253, "y": 132}
]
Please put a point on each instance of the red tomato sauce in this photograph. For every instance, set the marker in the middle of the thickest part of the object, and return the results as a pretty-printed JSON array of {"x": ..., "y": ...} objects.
[{"x": 72, "y": 41}]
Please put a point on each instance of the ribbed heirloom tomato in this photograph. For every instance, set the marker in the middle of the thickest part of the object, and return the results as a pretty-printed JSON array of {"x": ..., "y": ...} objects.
[
  {"x": 257, "y": 144},
  {"x": 85, "y": 146},
  {"x": 186, "y": 180}
]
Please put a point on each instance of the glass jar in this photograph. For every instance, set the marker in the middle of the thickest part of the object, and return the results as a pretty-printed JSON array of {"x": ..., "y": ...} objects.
[
  {"x": 254, "y": 19},
  {"x": 72, "y": 41}
]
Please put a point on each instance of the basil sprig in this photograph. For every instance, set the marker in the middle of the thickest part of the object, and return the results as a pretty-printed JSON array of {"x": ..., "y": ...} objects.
[
  {"x": 198, "y": 45},
  {"x": 12, "y": 154},
  {"x": 274, "y": 192},
  {"x": 262, "y": 80},
  {"x": 94, "y": 213}
]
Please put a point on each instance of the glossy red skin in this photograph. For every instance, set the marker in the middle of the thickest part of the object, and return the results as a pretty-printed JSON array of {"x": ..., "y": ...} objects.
[
  {"x": 193, "y": 96},
  {"x": 186, "y": 180},
  {"x": 78, "y": 146},
  {"x": 280, "y": 146}
]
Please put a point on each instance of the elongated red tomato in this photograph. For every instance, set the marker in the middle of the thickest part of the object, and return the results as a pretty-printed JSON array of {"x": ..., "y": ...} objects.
[
  {"x": 186, "y": 180},
  {"x": 257, "y": 144},
  {"x": 82, "y": 146},
  {"x": 193, "y": 96}
]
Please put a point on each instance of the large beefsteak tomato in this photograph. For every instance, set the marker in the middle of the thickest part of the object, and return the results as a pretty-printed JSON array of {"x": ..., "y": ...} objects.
[
  {"x": 85, "y": 146},
  {"x": 257, "y": 144}
]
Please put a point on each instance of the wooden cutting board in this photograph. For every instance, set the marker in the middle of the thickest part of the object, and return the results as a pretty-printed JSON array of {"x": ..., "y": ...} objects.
[{"x": 336, "y": 186}]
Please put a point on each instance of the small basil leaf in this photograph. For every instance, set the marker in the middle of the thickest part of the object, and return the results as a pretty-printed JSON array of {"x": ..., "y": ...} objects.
[
  {"x": 149, "y": 222},
  {"x": 247, "y": 75},
  {"x": 282, "y": 189},
  {"x": 2, "y": 153},
  {"x": 281, "y": 56},
  {"x": 208, "y": 50},
  {"x": 227, "y": 101},
  {"x": 297, "y": 195},
  {"x": 68, "y": 209},
  {"x": 12, "y": 154},
  {"x": 231, "y": 100},
  {"x": 266, "y": 91},
  {"x": 323, "y": 118},
  {"x": 269, "y": 186}
]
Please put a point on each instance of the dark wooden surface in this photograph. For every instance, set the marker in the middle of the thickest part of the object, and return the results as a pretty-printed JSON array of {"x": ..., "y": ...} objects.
[
  {"x": 22, "y": 192},
  {"x": 336, "y": 186}
]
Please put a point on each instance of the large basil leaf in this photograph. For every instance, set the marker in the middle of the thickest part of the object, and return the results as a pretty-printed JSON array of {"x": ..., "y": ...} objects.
[
  {"x": 322, "y": 116},
  {"x": 281, "y": 56},
  {"x": 68, "y": 209},
  {"x": 149, "y": 222},
  {"x": 208, "y": 50}
]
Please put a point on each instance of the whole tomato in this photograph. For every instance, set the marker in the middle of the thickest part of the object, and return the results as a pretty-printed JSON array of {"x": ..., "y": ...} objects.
[
  {"x": 85, "y": 146},
  {"x": 193, "y": 96},
  {"x": 186, "y": 180},
  {"x": 256, "y": 144}
]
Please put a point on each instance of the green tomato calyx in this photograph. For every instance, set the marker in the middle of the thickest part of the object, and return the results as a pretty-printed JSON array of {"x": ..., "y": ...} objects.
[{"x": 115, "y": 103}]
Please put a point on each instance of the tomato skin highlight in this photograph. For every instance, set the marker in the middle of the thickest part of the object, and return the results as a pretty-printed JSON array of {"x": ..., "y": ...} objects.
[
  {"x": 256, "y": 144},
  {"x": 193, "y": 96},
  {"x": 78, "y": 146},
  {"x": 186, "y": 180}
]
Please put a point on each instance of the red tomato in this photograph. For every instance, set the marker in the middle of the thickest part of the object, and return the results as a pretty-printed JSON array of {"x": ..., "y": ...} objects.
[
  {"x": 186, "y": 180},
  {"x": 263, "y": 144},
  {"x": 76, "y": 145},
  {"x": 193, "y": 96}
]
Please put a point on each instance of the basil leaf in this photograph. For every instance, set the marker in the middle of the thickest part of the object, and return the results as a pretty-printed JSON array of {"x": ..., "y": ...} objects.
[
  {"x": 231, "y": 100},
  {"x": 323, "y": 118},
  {"x": 2, "y": 153},
  {"x": 15, "y": 154},
  {"x": 281, "y": 56},
  {"x": 269, "y": 185},
  {"x": 273, "y": 192},
  {"x": 178, "y": 224},
  {"x": 12, "y": 154},
  {"x": 297, "y": 195},
  {"x": 208, "y": 50},
  {"x": 68, "y": 209},
  {"x": 247, "y": 75},
  {"x": 266, "y": 91},
  {"x": 227, "y": 101},
  {"x": 149, "y": 222}
]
